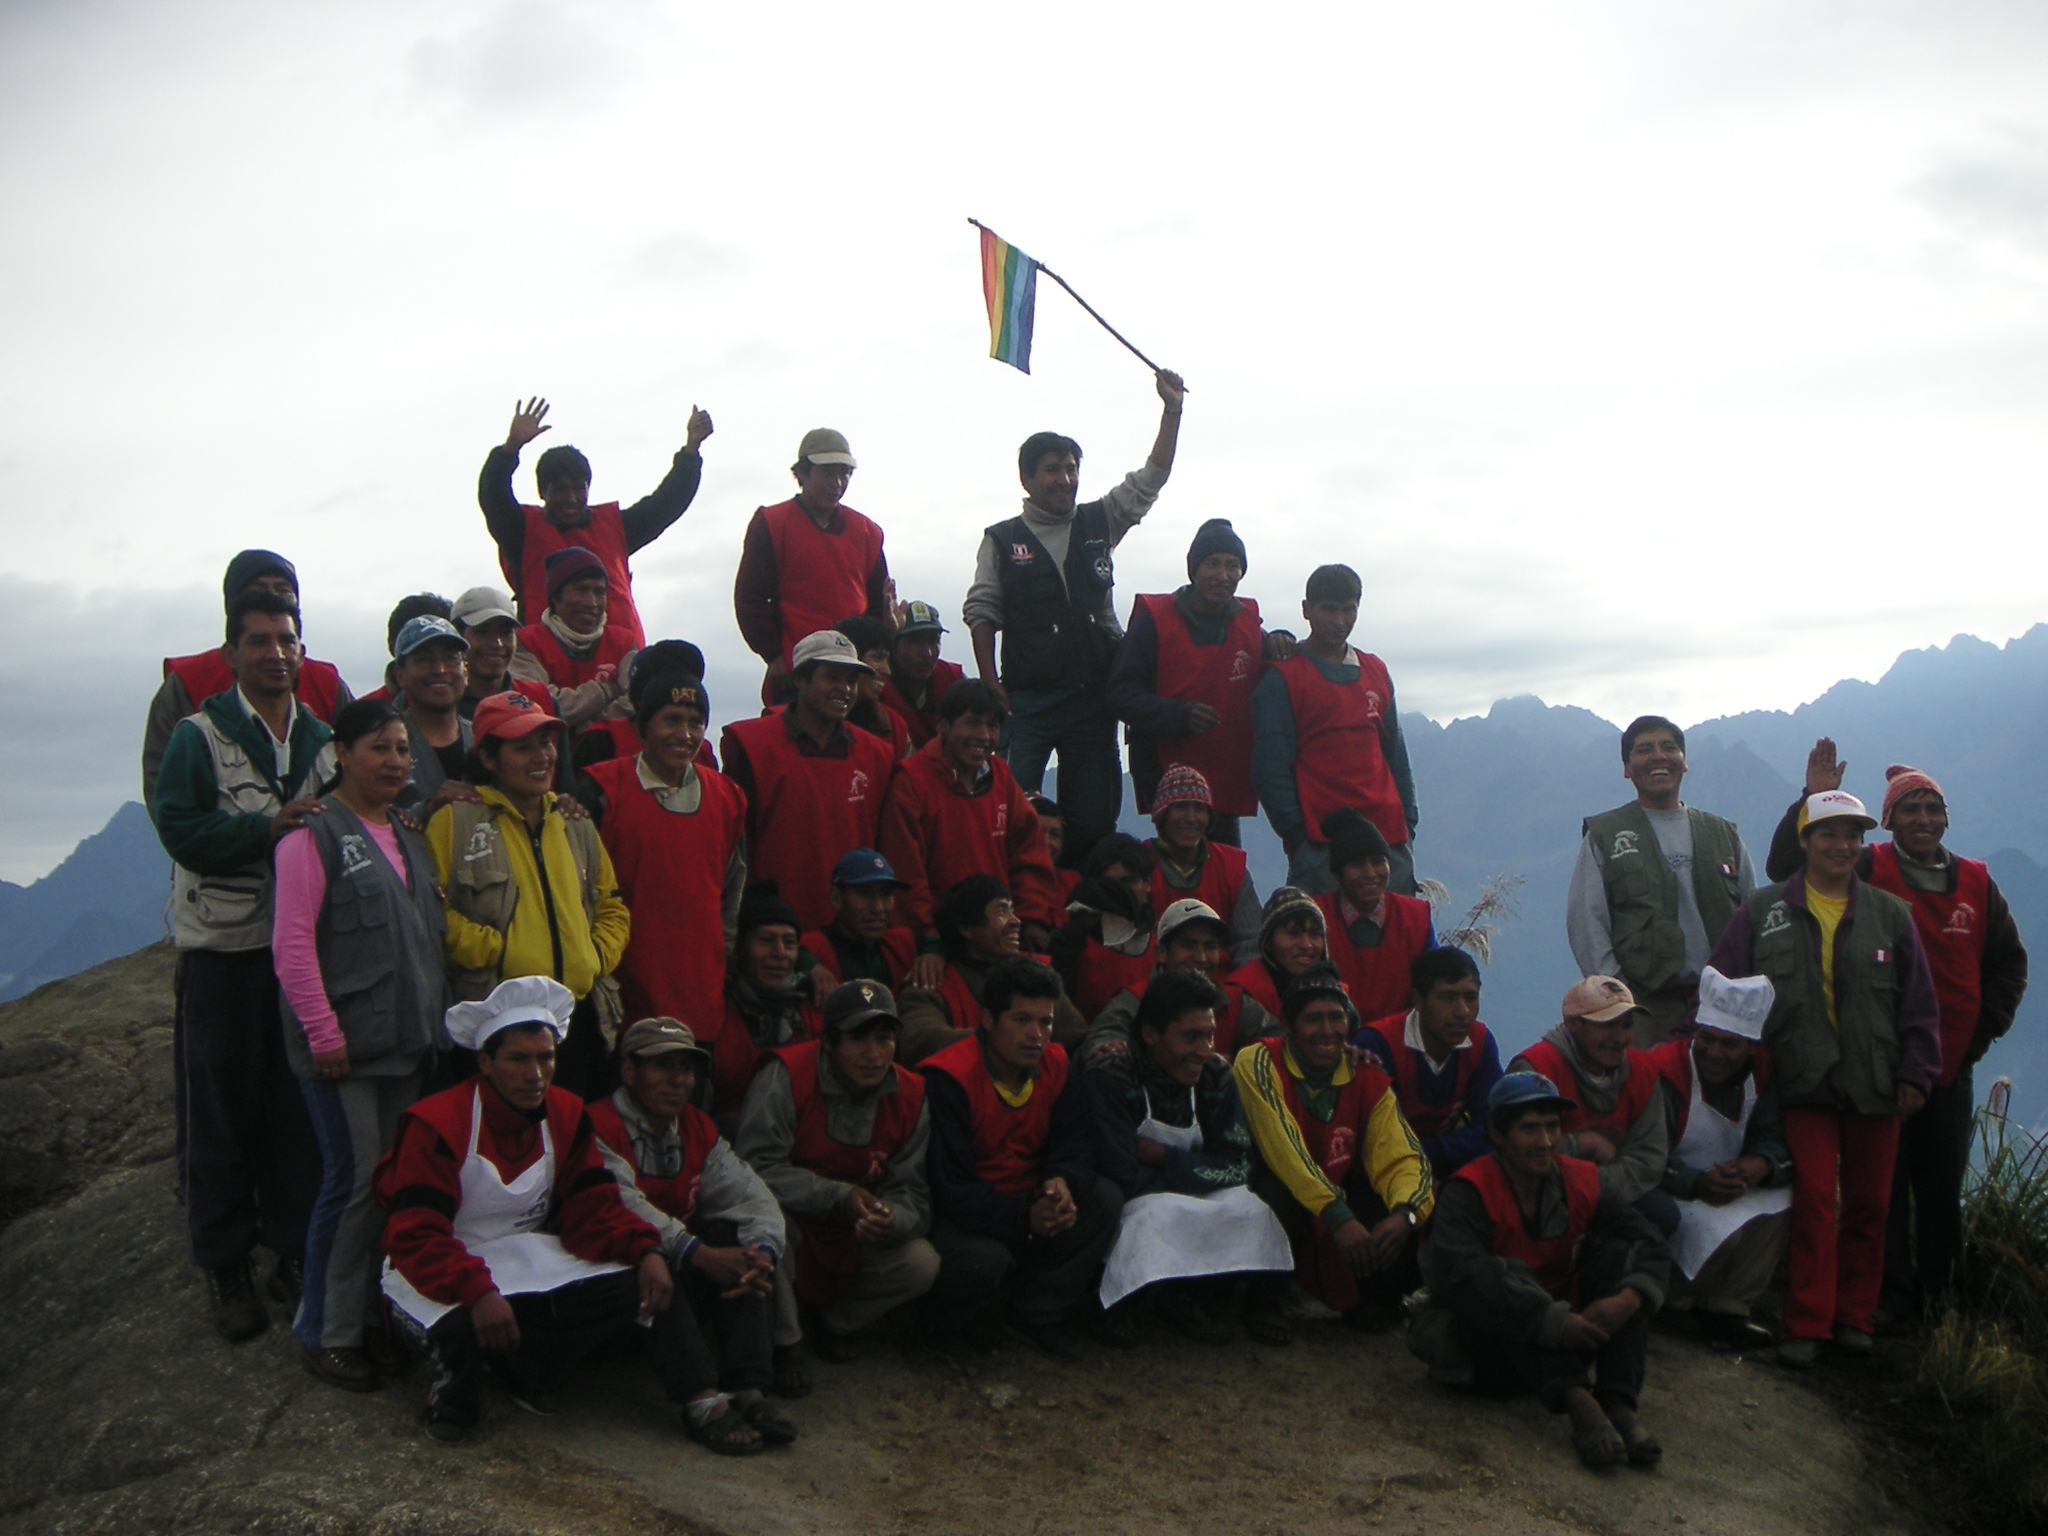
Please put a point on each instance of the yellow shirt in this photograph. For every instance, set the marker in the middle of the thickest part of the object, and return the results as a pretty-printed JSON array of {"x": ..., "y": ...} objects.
[
  {"x": 1827, "y": 911},
  {"x": 1392, "y": 1157}
]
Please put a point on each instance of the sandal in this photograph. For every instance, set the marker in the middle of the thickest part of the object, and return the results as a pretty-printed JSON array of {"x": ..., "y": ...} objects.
[
  {"x": 1600, "y": 1445},
  {"x": 775, "y": 1426},
  {"x": 791, "y": 1379},
  {"x": 726, "y": 1433}
]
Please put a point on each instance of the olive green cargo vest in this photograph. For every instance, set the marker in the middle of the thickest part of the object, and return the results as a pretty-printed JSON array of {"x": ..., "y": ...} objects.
[
  {"x": 1642, "y": 893},
  {"x": 1862, "y": 1044}
]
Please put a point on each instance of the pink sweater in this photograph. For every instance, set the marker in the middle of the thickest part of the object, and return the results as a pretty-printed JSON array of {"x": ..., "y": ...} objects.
[{"x": 301, "y": 893}]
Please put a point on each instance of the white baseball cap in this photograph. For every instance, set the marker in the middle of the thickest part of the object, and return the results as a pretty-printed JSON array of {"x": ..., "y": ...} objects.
[
  {"x": 1186, "y": 911},
  {"x": 1834, "y": 805},
  {"x": 1735, "y": 1005}
]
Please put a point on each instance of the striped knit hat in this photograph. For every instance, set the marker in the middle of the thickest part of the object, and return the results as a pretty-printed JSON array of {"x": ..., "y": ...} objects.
[
  {"x": 1901, "y": 781},
  {"x": 1181, "y": 785}
]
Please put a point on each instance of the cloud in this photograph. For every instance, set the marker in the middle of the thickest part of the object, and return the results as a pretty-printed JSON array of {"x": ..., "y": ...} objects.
[
  {"x": 524, "y": 59},
  {"x": 682, "y": 259},
  {"x": 1999, "y": 188}
]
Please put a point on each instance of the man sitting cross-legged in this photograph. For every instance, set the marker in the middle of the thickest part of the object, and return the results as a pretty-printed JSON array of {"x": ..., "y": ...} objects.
[
  {"x": 1170, "y": 1131},
  {"x": 507, "y": 1241},
  {"x": 1016, "y": 1203},
  {"x": 1542, "y": 1281},
  {"x": 719, "y": 1226},
  {"x": 1338, "y": 1164},
  {"x": 840, "y": 1133}
]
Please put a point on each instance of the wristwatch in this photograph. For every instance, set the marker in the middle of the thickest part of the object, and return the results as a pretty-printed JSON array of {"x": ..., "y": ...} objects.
[{"x": 1408, "y": 1211}]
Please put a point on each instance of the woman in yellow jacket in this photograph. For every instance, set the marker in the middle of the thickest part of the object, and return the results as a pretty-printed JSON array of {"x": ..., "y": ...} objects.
[{"x": 530, "y": 894}]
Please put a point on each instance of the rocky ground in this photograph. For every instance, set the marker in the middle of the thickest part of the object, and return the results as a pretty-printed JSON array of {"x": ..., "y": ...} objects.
[{"x": 120, "y": 1410}]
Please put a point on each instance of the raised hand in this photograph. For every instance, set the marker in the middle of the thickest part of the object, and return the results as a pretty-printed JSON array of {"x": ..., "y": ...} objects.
[
  {"x": 1823, "y": 770},
  {"x": 527, "y": 423},
  {"x": 1172, "y": 388},
  {"x": 699, "y": 428}
]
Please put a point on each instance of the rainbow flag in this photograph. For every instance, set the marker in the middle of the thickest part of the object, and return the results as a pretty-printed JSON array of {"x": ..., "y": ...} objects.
[{"x": 1009, "y": 282}]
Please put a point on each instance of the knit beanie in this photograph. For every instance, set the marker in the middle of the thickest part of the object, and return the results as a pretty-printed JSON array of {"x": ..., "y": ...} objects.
[
  {"x": 1286, "y": 904},
  {"x": 1352, "y": 839},
  {"x": 565, "y": 565},
  {"x": 654, "y": 694},
  {"x": 1181, "y": 785},
  {"x": 1215, "y": 537},
  {"x": 763, "y": 905},
  {"x": 1320, "y": 980},
  {"x": 1899, "y": 782},
  {"x": 657, "y": 671},
  {"x": 250, "y": 564}
]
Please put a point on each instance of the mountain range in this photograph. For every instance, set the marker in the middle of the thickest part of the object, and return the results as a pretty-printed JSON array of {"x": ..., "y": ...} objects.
[{"x": 1501, "y": 794}]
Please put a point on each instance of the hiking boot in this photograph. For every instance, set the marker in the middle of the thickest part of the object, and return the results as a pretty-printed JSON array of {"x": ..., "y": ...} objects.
[
  {"x": 445, "y": 1429},
  {"x": 287, "y": 1279},
  {"x": 1854, "y": 1342},
  {"x": 237, "y": 1314},
  {"x": 349, "y": 1369},
  {"x": 1799, "y": 1354}
]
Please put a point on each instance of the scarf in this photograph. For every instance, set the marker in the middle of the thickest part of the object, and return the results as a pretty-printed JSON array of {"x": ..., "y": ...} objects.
[{"x": 573, "y": 641}]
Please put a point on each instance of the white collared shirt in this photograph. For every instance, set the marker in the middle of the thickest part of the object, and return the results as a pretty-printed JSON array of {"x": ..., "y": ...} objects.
[
  {"x": 280, "y": 749},
  {"x": 1411, "y": 1036}
]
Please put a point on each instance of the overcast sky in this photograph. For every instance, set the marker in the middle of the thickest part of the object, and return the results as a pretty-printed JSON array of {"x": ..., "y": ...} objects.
[{"x": 1641, "y": 356}]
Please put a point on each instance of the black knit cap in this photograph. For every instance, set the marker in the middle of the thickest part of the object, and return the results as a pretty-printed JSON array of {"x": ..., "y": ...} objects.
[
  {"x": 1215, "y": 537},
  {"x": 250, "y": 564},
  {"x": 763, "y": 905},
  {"x": 1320, "y": 980},
  {"x": 1353, "y": 839},
  {"x": 662, "y": 674}
]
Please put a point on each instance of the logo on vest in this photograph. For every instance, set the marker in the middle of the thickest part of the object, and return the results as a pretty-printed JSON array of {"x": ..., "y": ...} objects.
[
  {"x": 481, "y": 843},
  {"x": 1373, "y": 705},
  {"x": 1624, "y": 844},
  {"x": 1002, "y": 822},
  {"x": 857, "y": 787},
  {"x": 1962, "y": 922},
  {"x": 1337, "y": 1161},
  {"x": 1240, "y": 666},
  {"x": 1104, "y": 571},
  {"x": 1777, "y": 920},
  {"x": 355, "y": 855},
  {"x": 1021, "y": 554}
]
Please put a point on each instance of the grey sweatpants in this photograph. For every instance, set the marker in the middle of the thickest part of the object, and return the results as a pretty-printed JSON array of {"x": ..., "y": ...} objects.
[{"x": 354, "y": 1120}]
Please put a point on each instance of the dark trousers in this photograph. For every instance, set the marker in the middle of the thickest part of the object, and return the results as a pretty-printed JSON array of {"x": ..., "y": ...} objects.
[
  {"x": 1508, "y": 1366},
  {"x": 705, "y": 1341},
  {"x": 1046, "y": 1275},
  {"x": 557, "y": 1329},
  {"x": 584, "y": 1064},
  {"x": 1384, "y": 1289},
  {"x": 1923, "y": 1237},
  {"x": 248, "y": 1166},
  {"x": 1076, "y": 724}
]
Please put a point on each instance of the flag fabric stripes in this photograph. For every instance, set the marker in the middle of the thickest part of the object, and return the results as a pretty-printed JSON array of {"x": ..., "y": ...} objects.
[{"x": 1009, "y": 283}]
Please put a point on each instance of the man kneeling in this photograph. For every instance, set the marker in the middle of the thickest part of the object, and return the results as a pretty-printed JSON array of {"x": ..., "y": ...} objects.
[
  {"x": 1170, "y": 1131},
  {"x": 507, "y": 1238},
  {"x": 1540, "y": 1280},
  {"x": 839, "y": 1132}
]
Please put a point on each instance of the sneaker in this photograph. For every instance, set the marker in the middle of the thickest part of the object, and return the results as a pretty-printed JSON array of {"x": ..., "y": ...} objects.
[
  {"x": 1853, "y": 1342},
  {"x": 1056, "y": 1340},
  {"x": 237, "y": 1314},
  {"x": 1798, "y": 1354},
  {"x": 287, "y": 1280},
  {"x": 444, "y": 1429},
  {"x": 349, "y": 1369},
  {"x": 1183, "y": 1309}
]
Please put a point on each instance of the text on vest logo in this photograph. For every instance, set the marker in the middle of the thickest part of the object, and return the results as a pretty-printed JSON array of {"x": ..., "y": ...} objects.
[
  {"x": 1777, "y": 920},
  {"x": 1373, "y": 705},
  {"x": 355, "y": 855},
  {"x": 1624, "y": 843},
  {"x": 1343, "y": 1142}
]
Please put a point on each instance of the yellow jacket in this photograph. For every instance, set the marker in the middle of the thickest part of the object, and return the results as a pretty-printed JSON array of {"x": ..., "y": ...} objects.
[
  {"x": 1390, "y": 1155},
  {"x": 590, "y": 918}
]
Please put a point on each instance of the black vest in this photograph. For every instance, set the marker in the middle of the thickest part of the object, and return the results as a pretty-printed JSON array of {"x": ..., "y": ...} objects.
[{"x": 1057, "y": 634}]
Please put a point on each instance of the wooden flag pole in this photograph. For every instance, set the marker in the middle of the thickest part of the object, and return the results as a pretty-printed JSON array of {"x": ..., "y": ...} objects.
[{"x": 1092, "y": 310}]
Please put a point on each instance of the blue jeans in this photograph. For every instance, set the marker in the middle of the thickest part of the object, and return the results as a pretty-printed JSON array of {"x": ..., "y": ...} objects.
[{"x": 1075, "y": 723}]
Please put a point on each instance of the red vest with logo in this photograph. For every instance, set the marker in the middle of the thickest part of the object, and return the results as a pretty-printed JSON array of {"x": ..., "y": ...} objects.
[
  {"x": 961, "y": 1004},
  {"x": 1428, "y": 1119},
  {"x": 1222, "y": 882},
  {"x": 1554, "y": 1263},
  {"x": 1338, "y": 758},
  {"x": 735, "y": 1058},
  {"x": 820, "y": 577},
  {"x": 923, "y": 724},
  {"x": 1255, "y": 981},
  {"x": 1335, "y": 1146},
  {"x": 566, "y": 671},
  {"x": 1378, "y": 978},
  {"x": 1103, "y": 972},
  {"x": 1008, "y": 1144},
  {"x": 675, "y": 1196},
  {"x": 898, "y": 946},
  {"x": 1222, "y": 677},
  {"x": 1951, "y": 929},
  {"x": 1635, "y": 1097},
  {"x": 208, "y": 673},
  {"x": 671, "y": 871},
  {"x": 1673, "y": 1063},
  {"x": 828, "y": 1258},
  {"x": 808, "y": 811},
  {"x": 1227, "y": 1020},
  {"x": 604, "y": 535}
]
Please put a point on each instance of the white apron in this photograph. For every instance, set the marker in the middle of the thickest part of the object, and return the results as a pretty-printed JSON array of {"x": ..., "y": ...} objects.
[
  {"x": 499, "y": 1223},
  {"x": 1710, "y": 1138},
  {"x": 1176, "y": 1237}
]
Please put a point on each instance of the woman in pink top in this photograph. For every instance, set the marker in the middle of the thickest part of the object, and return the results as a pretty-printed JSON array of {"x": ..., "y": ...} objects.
[{"x": 356, "y": 939}]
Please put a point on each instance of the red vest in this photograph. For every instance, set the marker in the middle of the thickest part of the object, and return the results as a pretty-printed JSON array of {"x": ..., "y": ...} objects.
[
  {"x": 1428, "y": 1119},
  {"x": 675, "y": 1196},
  {"x": 1008, "y": 1144},
  {"x": 1673, "y": 1063},
  {"x": 898, "y": 946},
  {"x": 1222, "y": 677},
  {"x": 820, "y": 577},
  {"x": 1635, "y": 1093},
  {"x": 935, "y": 837},
  {"x": 1338, "y": 759},
  {"x": 893, "y": 731},
  {"x": 1222, "y": 882},
  {"x": 604, "y": 535},
  {"x": 1335, "y": 1147},
  {"x": 923, "y": 724},
  {"x": 961, "y": 1003},
  {"x": 208, "y": 673},
  {"x": 1255, "y": 981},
  {"x": 1064, "y": 881},
  {"x": 1227, "y": 1020},
  {"x": 449, "y": 1113},
  {"x": 735, "y": 1058},
  {"x": 1554, "y": 1263},
  {"x": 828, "y": 1258},
  {"x": 1103, "y": 972},
  {"x": 564, "y": 670},
  {"x": 1378, "y": 978},
  {"x": 808, "y": 811},
  {"x": 671, "y": 871},
  {"x": 1952, "y": 933}
]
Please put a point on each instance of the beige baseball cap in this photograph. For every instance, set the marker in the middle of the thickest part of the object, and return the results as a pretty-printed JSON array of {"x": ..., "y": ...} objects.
[
  {"x": 821, "y": 445},
  {"x": 1599, "y": 999}
]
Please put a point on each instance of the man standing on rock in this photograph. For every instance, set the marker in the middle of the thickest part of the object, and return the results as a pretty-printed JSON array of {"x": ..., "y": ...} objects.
[
  {"x": 1655, "y": 885},
  {"x": 237, "y": 776}
]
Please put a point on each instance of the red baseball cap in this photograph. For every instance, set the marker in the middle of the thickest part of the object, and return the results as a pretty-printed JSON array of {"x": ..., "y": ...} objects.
[{"x": 510, "y": 715}]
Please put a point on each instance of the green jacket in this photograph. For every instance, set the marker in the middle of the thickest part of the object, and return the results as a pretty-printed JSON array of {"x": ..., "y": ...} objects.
[{"x": 1642, "y": 893}]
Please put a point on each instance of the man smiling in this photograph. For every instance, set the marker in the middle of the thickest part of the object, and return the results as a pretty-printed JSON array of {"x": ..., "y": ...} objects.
[
  {"x": 1655, "y": 885},
  {"x": 1443, "y": 1061}
]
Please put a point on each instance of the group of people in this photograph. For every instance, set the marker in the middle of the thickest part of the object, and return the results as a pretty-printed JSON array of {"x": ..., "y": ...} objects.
[{"x": 513, "y": 1014}]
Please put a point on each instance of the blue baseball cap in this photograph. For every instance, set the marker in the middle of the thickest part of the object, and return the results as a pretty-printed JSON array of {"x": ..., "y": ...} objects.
[
  {"x": 864, "y": 866},
  {"x": 1526, "y": 1090},
  {"x": 423, "y": 630}
]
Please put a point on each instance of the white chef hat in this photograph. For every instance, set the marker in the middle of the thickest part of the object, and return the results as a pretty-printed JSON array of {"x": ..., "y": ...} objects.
[
  {"x": 1734, "y": 1005},
  {"x": 522, "y": 1000}
]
